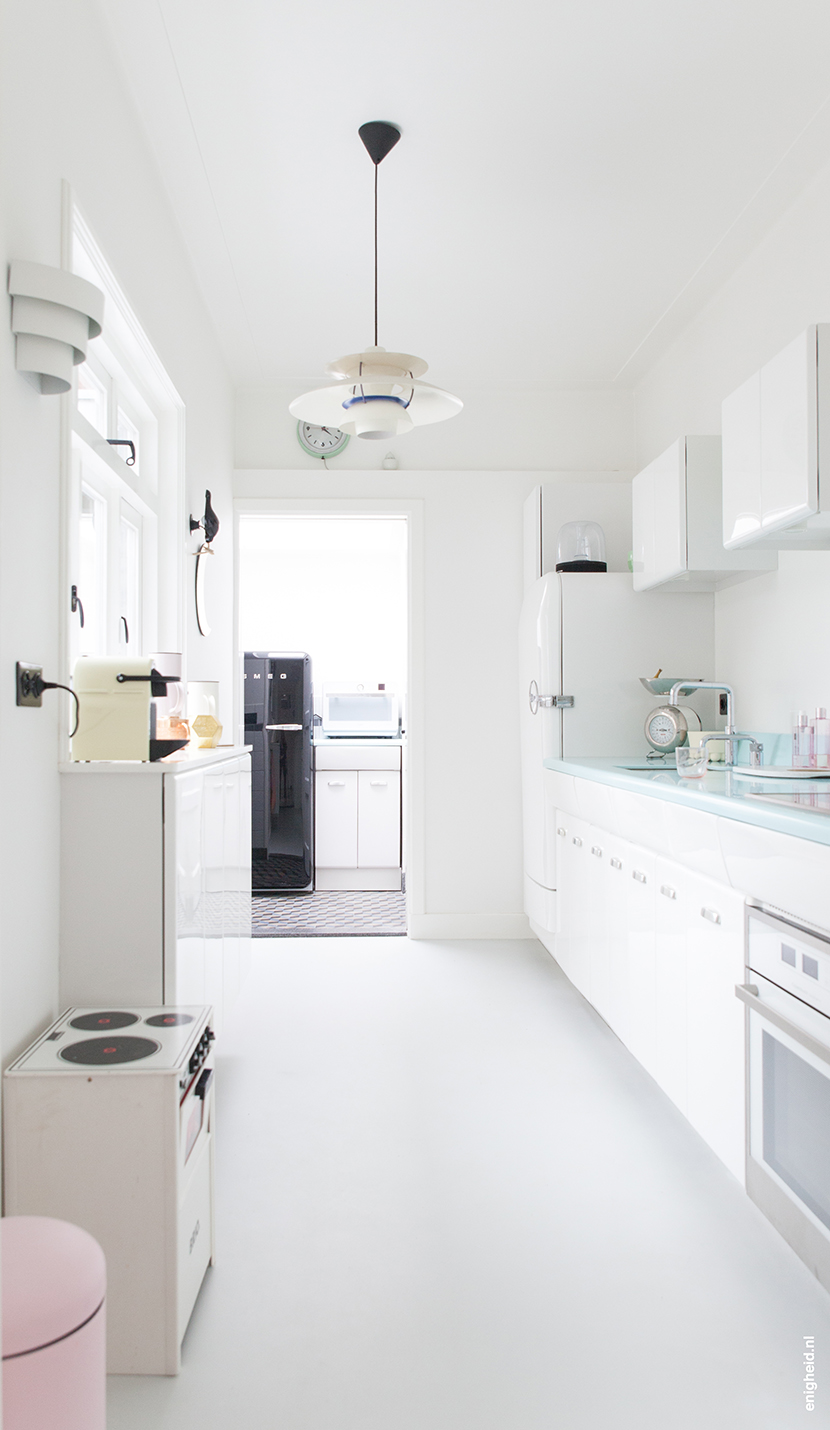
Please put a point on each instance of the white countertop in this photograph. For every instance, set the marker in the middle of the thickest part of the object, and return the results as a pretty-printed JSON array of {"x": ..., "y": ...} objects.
[{"x": 189, "y": 757}]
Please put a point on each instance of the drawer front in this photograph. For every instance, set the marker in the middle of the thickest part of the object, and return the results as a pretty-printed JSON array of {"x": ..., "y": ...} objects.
[{"x": 362, "y": 757}]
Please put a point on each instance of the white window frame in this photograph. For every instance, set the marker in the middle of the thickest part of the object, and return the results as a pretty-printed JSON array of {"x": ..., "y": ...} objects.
[{"x": 154, "y": 495}]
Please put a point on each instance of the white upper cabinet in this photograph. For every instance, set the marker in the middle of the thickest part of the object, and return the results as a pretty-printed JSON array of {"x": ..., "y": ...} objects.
[
  {"x": 676, "y": 508},
  {"x": 772, "y": 487}
]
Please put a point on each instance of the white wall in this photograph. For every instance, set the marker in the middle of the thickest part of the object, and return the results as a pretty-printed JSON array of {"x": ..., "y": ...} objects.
[
  {"x": 63, "y": 115},
  {"x": 501, "y": 428},
  {"x": 333, "y": 587},
  {"x": 771, "y": 633}
]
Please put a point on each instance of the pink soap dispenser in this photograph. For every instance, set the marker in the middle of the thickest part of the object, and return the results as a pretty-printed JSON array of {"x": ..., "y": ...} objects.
[
  {"x": 803, "y": 758},
  {"x": 821, "y": 739}
]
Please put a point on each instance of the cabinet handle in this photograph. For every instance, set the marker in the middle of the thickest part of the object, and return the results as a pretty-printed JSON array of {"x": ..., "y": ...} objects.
[
  {"x": 379, "y": 784},
  {"x": 561, "y": 831},
  {"x": 711, "y": 914},
  {"x": 336, "y": 784},
  {"x": 616, "y": 863},
  {"x": 595, "y": 849},
  {"x": 577, "y": 841},
  {"x": 641, "y": 878},
  {"x": 669, "y": 892}
]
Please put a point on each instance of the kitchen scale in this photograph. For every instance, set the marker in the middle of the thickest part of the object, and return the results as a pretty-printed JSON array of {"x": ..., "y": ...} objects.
[{"x": 667, "y": 728}]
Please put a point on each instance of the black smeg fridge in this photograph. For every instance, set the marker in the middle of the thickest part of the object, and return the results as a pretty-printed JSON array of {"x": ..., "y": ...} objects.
[{"x": 279, "y": 724}]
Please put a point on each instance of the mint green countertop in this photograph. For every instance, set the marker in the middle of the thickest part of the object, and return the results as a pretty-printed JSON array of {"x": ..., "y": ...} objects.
[{"x": 719, "y": 792}]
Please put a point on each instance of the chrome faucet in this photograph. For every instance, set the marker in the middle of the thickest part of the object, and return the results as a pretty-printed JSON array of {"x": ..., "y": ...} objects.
[
  {"x": 729, "y": 735},
  {"x": 756, "y": 749}
]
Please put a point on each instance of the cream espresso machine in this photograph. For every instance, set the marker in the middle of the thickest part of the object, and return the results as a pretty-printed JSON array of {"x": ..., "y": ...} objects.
[{"x": 117, "y": 710}]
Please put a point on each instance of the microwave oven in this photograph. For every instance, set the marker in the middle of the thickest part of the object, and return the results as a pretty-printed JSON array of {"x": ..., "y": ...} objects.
[{"x": 359, "y": 710}]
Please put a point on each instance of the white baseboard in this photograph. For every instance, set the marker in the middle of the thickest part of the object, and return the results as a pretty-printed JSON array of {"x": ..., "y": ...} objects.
[{"x": 469, "y": 926}]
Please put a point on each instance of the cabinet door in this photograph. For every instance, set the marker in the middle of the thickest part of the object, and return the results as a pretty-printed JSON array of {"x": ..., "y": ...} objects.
[
  {"x": 715, "y": 1019},
  {"x": 244, "y": 864},
  {"x": 336, "y": 819},
  {"x": 185, "y": 969},
  {"x": 564, "y": 891},
  {"x": 741, "y": 423},
  {"x": 789, "y": 455},
  {"x": 614, "y": 963},
  {"x": 596, "y": 910},
  {"x": 231, "y": 918},
  {"x": 659, "y": 519},
  {"x": 672, "y": 902},
  {"x": 213, "y": 863},
  {"x": 578, "y": 874},
  {"x": 639, "y": 883},
  {"x": 378, "y": 819}
]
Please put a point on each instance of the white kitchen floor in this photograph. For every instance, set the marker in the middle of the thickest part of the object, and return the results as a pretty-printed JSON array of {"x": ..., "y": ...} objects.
[{"x": 449, "y": 1199}]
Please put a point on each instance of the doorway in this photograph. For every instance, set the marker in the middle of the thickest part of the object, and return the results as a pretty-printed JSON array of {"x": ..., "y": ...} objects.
[{"x": 327, "y": 593}]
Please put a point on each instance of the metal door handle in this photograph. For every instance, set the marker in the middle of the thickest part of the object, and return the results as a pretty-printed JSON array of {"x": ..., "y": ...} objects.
[
  {"x": 711, "y": 914},
  {"x": 379, "y": 784},
  {"x": 595, "y": 849},
  {"x": 669, "y": 892},
  {"x": 641, "y": 878},
  {"x": 616, "y": 863},
  {"x": 126, "y": 631},
  {"x": 336, "y": 784},
  {"x": 577, "y": 841},
  {"x": 561, "y": 831},
  {"x": 748, "y": 994}
]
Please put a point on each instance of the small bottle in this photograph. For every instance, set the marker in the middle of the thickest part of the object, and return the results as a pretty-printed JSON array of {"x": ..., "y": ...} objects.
[
  {"x": 802, "y": 741},
  {"x": 821, "y": 739}
]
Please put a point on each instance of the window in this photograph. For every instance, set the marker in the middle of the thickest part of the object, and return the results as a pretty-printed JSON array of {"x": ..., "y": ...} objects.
[{"x": 123, "y": 518}]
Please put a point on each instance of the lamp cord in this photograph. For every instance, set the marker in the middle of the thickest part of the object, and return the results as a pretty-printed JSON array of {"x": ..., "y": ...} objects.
[
  {"x": 42, "y": 685},
  {"x": 376, "y": 255}
]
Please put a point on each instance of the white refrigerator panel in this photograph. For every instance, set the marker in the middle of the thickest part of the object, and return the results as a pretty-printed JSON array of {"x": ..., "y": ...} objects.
[
  {"x": 612, "y": 635},
  {"x": 539, "y": 663}
]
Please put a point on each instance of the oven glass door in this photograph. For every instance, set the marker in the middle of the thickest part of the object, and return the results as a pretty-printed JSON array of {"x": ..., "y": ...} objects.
[{"x": 789, "y": 1125}]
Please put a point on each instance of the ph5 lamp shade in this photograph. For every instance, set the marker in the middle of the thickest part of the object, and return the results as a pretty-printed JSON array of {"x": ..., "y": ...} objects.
[
  {"x": 54, "y": 315},
  {"x": 381, "y": 397}
]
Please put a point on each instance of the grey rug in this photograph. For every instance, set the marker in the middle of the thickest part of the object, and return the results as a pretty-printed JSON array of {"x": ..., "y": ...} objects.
[{"x": 334, "y": 913}]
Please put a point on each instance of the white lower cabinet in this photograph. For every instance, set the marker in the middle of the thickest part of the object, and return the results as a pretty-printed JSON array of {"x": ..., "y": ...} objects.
[
  {"x": 357, "y": 816},
  {"x": 658, "y": 949}
]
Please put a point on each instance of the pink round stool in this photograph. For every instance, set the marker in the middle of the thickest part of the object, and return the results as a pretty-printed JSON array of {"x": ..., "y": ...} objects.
[{"x": 54, "y": 1282}]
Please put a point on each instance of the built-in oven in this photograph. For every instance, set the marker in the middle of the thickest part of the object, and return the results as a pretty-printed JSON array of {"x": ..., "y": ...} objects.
[
  {"x": 359, "y": 711},
  {"x": 787, "y": 995}
]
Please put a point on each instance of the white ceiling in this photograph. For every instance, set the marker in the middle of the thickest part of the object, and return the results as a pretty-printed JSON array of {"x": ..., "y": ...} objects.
[{"x": 574, "y": 177}]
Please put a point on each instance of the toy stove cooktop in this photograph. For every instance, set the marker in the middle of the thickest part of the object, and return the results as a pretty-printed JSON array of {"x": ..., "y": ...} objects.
[{"x": 133, "y": 1039}]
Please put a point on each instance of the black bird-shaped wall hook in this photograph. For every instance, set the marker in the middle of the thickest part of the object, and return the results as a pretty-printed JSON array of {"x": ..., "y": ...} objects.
[{"x": 209, "y": 522}]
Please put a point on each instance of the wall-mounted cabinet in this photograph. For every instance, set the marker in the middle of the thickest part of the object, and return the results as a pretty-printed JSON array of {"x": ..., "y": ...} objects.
[
  {"x": 676, "y": 511},
  {"x": 773, "y": 494}
]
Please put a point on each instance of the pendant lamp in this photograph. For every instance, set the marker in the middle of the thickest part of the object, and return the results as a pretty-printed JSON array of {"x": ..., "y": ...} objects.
[{"x": 378, "y": 394}]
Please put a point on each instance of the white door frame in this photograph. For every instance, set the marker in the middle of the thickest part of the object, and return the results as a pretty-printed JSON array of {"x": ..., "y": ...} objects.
[{"x": 413, "y": 509}]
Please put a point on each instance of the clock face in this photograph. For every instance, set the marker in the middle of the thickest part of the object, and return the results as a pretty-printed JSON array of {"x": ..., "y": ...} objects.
[
  {"x": 666, "y": 728},
  {"x": 321, "y": 441}
]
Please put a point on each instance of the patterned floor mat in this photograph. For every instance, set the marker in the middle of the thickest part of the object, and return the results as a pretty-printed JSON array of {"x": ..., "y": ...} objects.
[{"x": 329, "y": 914}]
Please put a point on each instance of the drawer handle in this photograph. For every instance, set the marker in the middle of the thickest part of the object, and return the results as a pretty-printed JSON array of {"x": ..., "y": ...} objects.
[
  {"x": 669, "y": 892},
  {"x": 595, "y": 849},
  {"x": 336, "y": 784},
  {"x": 561, "y": 831},
  {"x": 379, "y": 784},
  {"x": 577, "y": 841},
  {"x": 641, "y": 878},
  {"x": 616, "y": 863},
  {"x": 711, "y": 914}
]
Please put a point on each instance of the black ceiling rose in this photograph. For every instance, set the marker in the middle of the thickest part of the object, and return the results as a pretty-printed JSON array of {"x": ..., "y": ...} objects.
[{"x": 379, "y": 137}]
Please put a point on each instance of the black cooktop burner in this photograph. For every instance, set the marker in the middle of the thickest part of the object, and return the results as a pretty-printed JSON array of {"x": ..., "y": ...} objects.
[
  {"x": 91, "y": 1022},
  {"x": 102, "y": 1052},
  {"x": 169, "y": 1020}
]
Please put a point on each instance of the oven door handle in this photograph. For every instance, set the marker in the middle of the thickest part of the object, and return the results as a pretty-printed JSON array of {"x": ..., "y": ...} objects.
[{"x": 748, "y": 994}]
